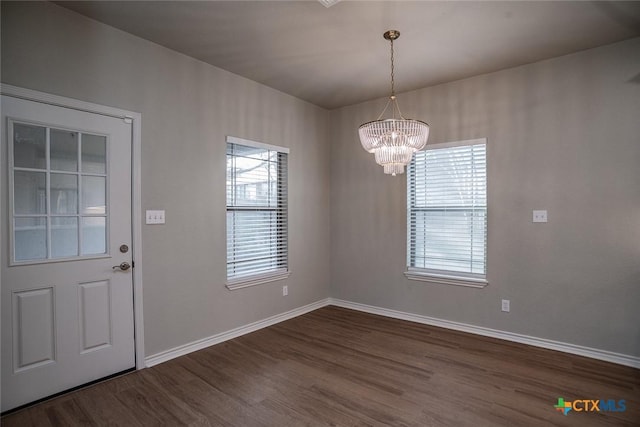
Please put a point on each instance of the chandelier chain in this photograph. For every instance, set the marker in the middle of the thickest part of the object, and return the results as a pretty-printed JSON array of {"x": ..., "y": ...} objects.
[{"x": 393, "y": 90}]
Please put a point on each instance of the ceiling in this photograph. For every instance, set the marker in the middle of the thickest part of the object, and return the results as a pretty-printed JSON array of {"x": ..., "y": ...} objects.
[{"x": 337, "y": 56}]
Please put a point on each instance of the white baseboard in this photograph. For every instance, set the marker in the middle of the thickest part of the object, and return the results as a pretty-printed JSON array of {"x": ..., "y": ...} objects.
[
  {"x": 594, "y": 353},
  {"x": 233, "y": 333}
]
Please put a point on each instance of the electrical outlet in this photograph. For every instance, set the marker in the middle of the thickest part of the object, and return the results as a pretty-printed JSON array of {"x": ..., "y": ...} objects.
[
  {"x": 539, "y": 216},
  {"x": 506, "y": 305},
  {"x": 285, "y": 290}
]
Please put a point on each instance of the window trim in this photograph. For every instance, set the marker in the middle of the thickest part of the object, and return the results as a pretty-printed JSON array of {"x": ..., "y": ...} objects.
[
  {"x": 427, "y": 275},
  {"x": 269, "y": 276},
  {"x": 257, "y": 279},
  {"x": 256, "y": 144},
  {"x": 445, "y": 277}
]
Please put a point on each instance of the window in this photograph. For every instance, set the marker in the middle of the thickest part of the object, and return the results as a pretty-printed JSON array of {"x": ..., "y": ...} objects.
[
  {"x": 447, "y": 214},
  {"x": 58, "y": 200},
  {"x": 256, "y": 213}
]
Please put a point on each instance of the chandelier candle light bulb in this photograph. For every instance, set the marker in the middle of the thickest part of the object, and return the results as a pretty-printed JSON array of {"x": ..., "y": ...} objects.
[{"x": 394, "y": 140}]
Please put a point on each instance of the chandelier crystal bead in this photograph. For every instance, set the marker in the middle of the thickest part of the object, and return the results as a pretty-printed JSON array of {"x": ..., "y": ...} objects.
[{"x": 394, "y": 140}]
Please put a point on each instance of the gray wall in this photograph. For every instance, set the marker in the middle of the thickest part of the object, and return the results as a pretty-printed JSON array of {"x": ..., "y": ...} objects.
[
  {"x": 563, "y": 135},
  {"x": 188, "y": 108}
]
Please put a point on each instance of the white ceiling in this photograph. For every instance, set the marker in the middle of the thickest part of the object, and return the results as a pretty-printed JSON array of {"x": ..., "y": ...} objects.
[{"x": 336, "y": 56}]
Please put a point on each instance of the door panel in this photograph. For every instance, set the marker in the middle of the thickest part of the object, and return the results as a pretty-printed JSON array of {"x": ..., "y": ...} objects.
[
  {"x": 95, "y": 315},
  {"x": 67, "y": 314},
  {"x": 33, "y": 329}
]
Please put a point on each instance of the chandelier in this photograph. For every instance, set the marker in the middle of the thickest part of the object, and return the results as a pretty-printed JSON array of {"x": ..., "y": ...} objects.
[{"x": 393, "y": 140}]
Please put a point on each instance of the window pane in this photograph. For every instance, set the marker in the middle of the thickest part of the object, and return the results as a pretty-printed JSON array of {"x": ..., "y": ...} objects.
[
  {"x": 94, "y": 195},
  {"x": 29, "y": 193},
  {"x": 64, "y": 150},
  {"x": 447, "y": 241},
  {"x": 94, "y": 235},
  {"x": 30, "y": 238},
  {"x": 64, "y": 237},
  {"x": 29, "y": 146},
  {"x": 94, "y": 154},
  {"x": 64, "y": 194},
  {"x": 251, "y": 181},
  {"x": 255, "y": 242}
]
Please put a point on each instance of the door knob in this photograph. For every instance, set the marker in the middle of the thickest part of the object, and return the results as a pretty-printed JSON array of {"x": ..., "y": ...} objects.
[{"x": 124, "y": 266}]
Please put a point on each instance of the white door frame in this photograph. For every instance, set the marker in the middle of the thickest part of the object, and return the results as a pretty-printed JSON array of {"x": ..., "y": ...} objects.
[{"x": 136, "y": 202}]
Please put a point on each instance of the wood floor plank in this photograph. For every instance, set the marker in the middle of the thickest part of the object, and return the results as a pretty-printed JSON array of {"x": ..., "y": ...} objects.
[{"x": 338, "y": 367}]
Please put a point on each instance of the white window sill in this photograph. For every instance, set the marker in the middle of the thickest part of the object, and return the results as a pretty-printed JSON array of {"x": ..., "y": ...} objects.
[
  {"x": 469, "y": 282},
  {"x": 246, "y": 282}
]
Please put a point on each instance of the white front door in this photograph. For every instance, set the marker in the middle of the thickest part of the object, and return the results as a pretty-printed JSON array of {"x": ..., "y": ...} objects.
[{"x": 67, "y": 306}]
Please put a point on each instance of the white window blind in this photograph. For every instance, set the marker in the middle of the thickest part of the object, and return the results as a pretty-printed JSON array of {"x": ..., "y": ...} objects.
[
  {"x": 447, "y": 210},
  {"x": 256, "y": 211}
]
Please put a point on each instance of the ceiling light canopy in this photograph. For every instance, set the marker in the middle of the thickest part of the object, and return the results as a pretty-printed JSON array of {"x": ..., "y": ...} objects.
[
  {"x": 328, "y": 3},
  {"x": 393, "y": 140}
]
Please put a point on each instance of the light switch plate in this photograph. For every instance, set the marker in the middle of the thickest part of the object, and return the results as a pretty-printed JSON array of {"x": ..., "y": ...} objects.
[
  {"x": 539, "y": 216},
  {"x": 155, "y": 217}
]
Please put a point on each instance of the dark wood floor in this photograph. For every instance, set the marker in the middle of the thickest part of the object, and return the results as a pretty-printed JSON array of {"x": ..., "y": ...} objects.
[{"x": 340, "y": 367}]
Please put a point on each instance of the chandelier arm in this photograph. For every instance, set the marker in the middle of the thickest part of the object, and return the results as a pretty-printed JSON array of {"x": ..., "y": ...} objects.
[
  {"x": 398, "y": 108},
  {"x": 385, "y": 109}
]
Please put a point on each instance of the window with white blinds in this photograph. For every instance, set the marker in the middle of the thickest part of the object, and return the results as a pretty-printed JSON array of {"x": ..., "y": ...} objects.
[
  {"x": 256, "y": 213},
  {"x": 447, "y": 212}
]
